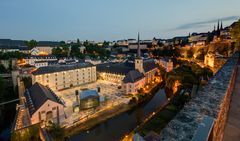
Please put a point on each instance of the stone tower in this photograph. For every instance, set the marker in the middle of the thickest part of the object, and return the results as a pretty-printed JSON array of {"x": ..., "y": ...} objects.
[{"x": 138, "y": 59}]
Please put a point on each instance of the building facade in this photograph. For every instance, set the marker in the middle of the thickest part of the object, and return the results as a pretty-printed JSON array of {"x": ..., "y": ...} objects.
[
  {"x": 34, "y": 59},
  {"x": 133, "y": 82},
  {"x": 131, "y": 75},
  {"x": 61, "y": 77},
  {"x": 209, "y": 59},
  {"x": 167, "y": 64},
  {"x": 44, "y": 105}
]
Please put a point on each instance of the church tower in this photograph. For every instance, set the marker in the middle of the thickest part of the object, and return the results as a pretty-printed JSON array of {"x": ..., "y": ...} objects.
[
  {"x": 221, "y": 27},
  {"x": 138, "y": 59},
  {"x": 218, "y": 26}
]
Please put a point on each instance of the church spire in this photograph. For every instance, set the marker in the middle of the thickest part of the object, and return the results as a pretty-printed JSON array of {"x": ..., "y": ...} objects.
[
  {"x": 218, "y": 26},
  {"x": 221, "y": 28},
  {"x": 138, "y": 48}
]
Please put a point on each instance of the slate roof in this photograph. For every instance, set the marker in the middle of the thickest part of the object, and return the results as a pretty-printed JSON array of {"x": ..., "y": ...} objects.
[
  {"x": 119, "y": 68},
  {"x": 133, "y": 76},
  {"x": 59, "y": 68},
  {"x": 149, "y": 65},
  {"x": 37, "y": 95},
  {"x": 124, "y": 68}
]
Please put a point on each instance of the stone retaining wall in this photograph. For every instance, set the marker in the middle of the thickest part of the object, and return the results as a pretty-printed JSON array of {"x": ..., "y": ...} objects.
[{"x": 212, "y": 101}]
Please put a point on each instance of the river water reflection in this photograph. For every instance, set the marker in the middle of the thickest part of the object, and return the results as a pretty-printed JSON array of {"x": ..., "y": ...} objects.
[{"x": 116, "y": 127}]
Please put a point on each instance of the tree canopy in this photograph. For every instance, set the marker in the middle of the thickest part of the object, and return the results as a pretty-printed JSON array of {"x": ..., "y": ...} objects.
[
  {"x": 8, "y": 55},
  {"x": 235, "y": 32},
  {"x": 31, "y": 44}
]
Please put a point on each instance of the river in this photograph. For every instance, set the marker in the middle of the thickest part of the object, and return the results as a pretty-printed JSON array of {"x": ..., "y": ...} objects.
[{"x": 115, "y": 128}]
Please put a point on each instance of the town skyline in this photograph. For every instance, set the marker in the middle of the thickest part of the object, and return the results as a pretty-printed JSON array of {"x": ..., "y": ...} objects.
[{"x": 52, "y": 22}]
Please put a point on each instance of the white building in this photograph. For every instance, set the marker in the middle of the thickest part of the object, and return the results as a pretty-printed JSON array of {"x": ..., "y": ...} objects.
[
  {"x": 131, "y": 75},
  {"x": 59, "y": 77},
  {"x": 42, "y": 50},
  {"x": 44, "y": 105},
  {"x": 35, "y": 59},
  {"x": 166, "y": 63}
]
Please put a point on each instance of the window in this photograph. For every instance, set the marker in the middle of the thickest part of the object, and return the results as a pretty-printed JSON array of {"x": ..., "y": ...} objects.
[
  {"x": 42, "y": 112},
  {"x": 54, "y": 108}
]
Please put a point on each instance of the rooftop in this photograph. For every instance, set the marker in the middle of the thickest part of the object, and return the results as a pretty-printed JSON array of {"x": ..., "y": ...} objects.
[
  {"x": 60, "y": 68},
  {"x": 124, "y": 68},
  {"x": 88, "y": 93},
  {"x": 37, "y": 95},
  {"x": 133, "y": 76}
]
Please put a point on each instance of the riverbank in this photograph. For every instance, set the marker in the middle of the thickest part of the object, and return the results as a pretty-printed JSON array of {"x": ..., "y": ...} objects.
[
  {"x": 108, "y": 114},
  {"x": 101, "y": 117}
]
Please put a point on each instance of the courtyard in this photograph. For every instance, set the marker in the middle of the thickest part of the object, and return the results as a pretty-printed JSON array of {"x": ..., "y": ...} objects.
[{"x": 110, "y": 95}]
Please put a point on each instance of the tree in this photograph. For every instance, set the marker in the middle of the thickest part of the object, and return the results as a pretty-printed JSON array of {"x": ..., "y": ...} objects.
[
  {"x": 3, "y": 69},
  {"x": 57, "y": 52},
  {"x": 105, "y": 44},
  {"x": 56, "y": 131},
  {"x": 189, "y": 53},
  {"x": 75, "y": 52},
  {"x": 8, "y": 55},
  {"x": 235, "y": 33},
  {"x": 31, "y": 44}
]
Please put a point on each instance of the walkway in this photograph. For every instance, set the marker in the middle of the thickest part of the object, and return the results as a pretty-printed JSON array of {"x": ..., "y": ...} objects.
[{"x": 232, "y": 129}]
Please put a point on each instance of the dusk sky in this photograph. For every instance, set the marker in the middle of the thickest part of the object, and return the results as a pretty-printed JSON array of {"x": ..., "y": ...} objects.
[{"x": 111, "y": 19}]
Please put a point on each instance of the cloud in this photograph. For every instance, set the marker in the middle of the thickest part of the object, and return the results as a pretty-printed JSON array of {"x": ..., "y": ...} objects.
[{"x": 204, "y": 23}]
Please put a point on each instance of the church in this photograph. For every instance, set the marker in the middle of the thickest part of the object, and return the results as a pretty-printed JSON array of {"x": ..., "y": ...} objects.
[{"x": 131, "y": 75}]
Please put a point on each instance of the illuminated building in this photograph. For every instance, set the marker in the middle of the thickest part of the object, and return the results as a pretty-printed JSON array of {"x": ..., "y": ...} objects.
[
  {"x": 89, "y": 99},
  {"x": 209, "y": 59},
  {"x": 33, "y": 60},
  {"x": 44, "y": 105},
  {"x": 60, "y": 77},
  {"x": 166, "y": 63},
  {"x": 130, "y": 75}
]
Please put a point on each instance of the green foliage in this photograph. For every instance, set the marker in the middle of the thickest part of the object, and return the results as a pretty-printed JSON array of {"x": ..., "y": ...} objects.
[
  {"x": 188, "y": 74},
  {"x": 166, "y": 52},
  {"x": 189, "y": 53},
  {"x": 75, "y": 52},
  {"x": 235, "y": 32},
  {"x": 2, "y": 87},
  {"x": 105, "y": 44},
  {"x": 3, "y": 69},
  {"x": 27, "y": 82},
  {"x": 8, "y": 55},
  {"x": 94, "y": 51},
  {"x": 179, "y": 100},
  {"x": 56, "y": 132},
  {"x": 27, "y": 134},
  {"x": 200, "y": 54},
  {"x": 31, "y": 44}
]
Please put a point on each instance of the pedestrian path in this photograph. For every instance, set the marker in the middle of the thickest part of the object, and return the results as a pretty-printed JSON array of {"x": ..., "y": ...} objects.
[{"x": 232, "y": 128}]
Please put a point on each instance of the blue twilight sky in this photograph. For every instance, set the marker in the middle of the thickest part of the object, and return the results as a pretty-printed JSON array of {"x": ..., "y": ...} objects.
[{"x": 111, "y": 19}]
